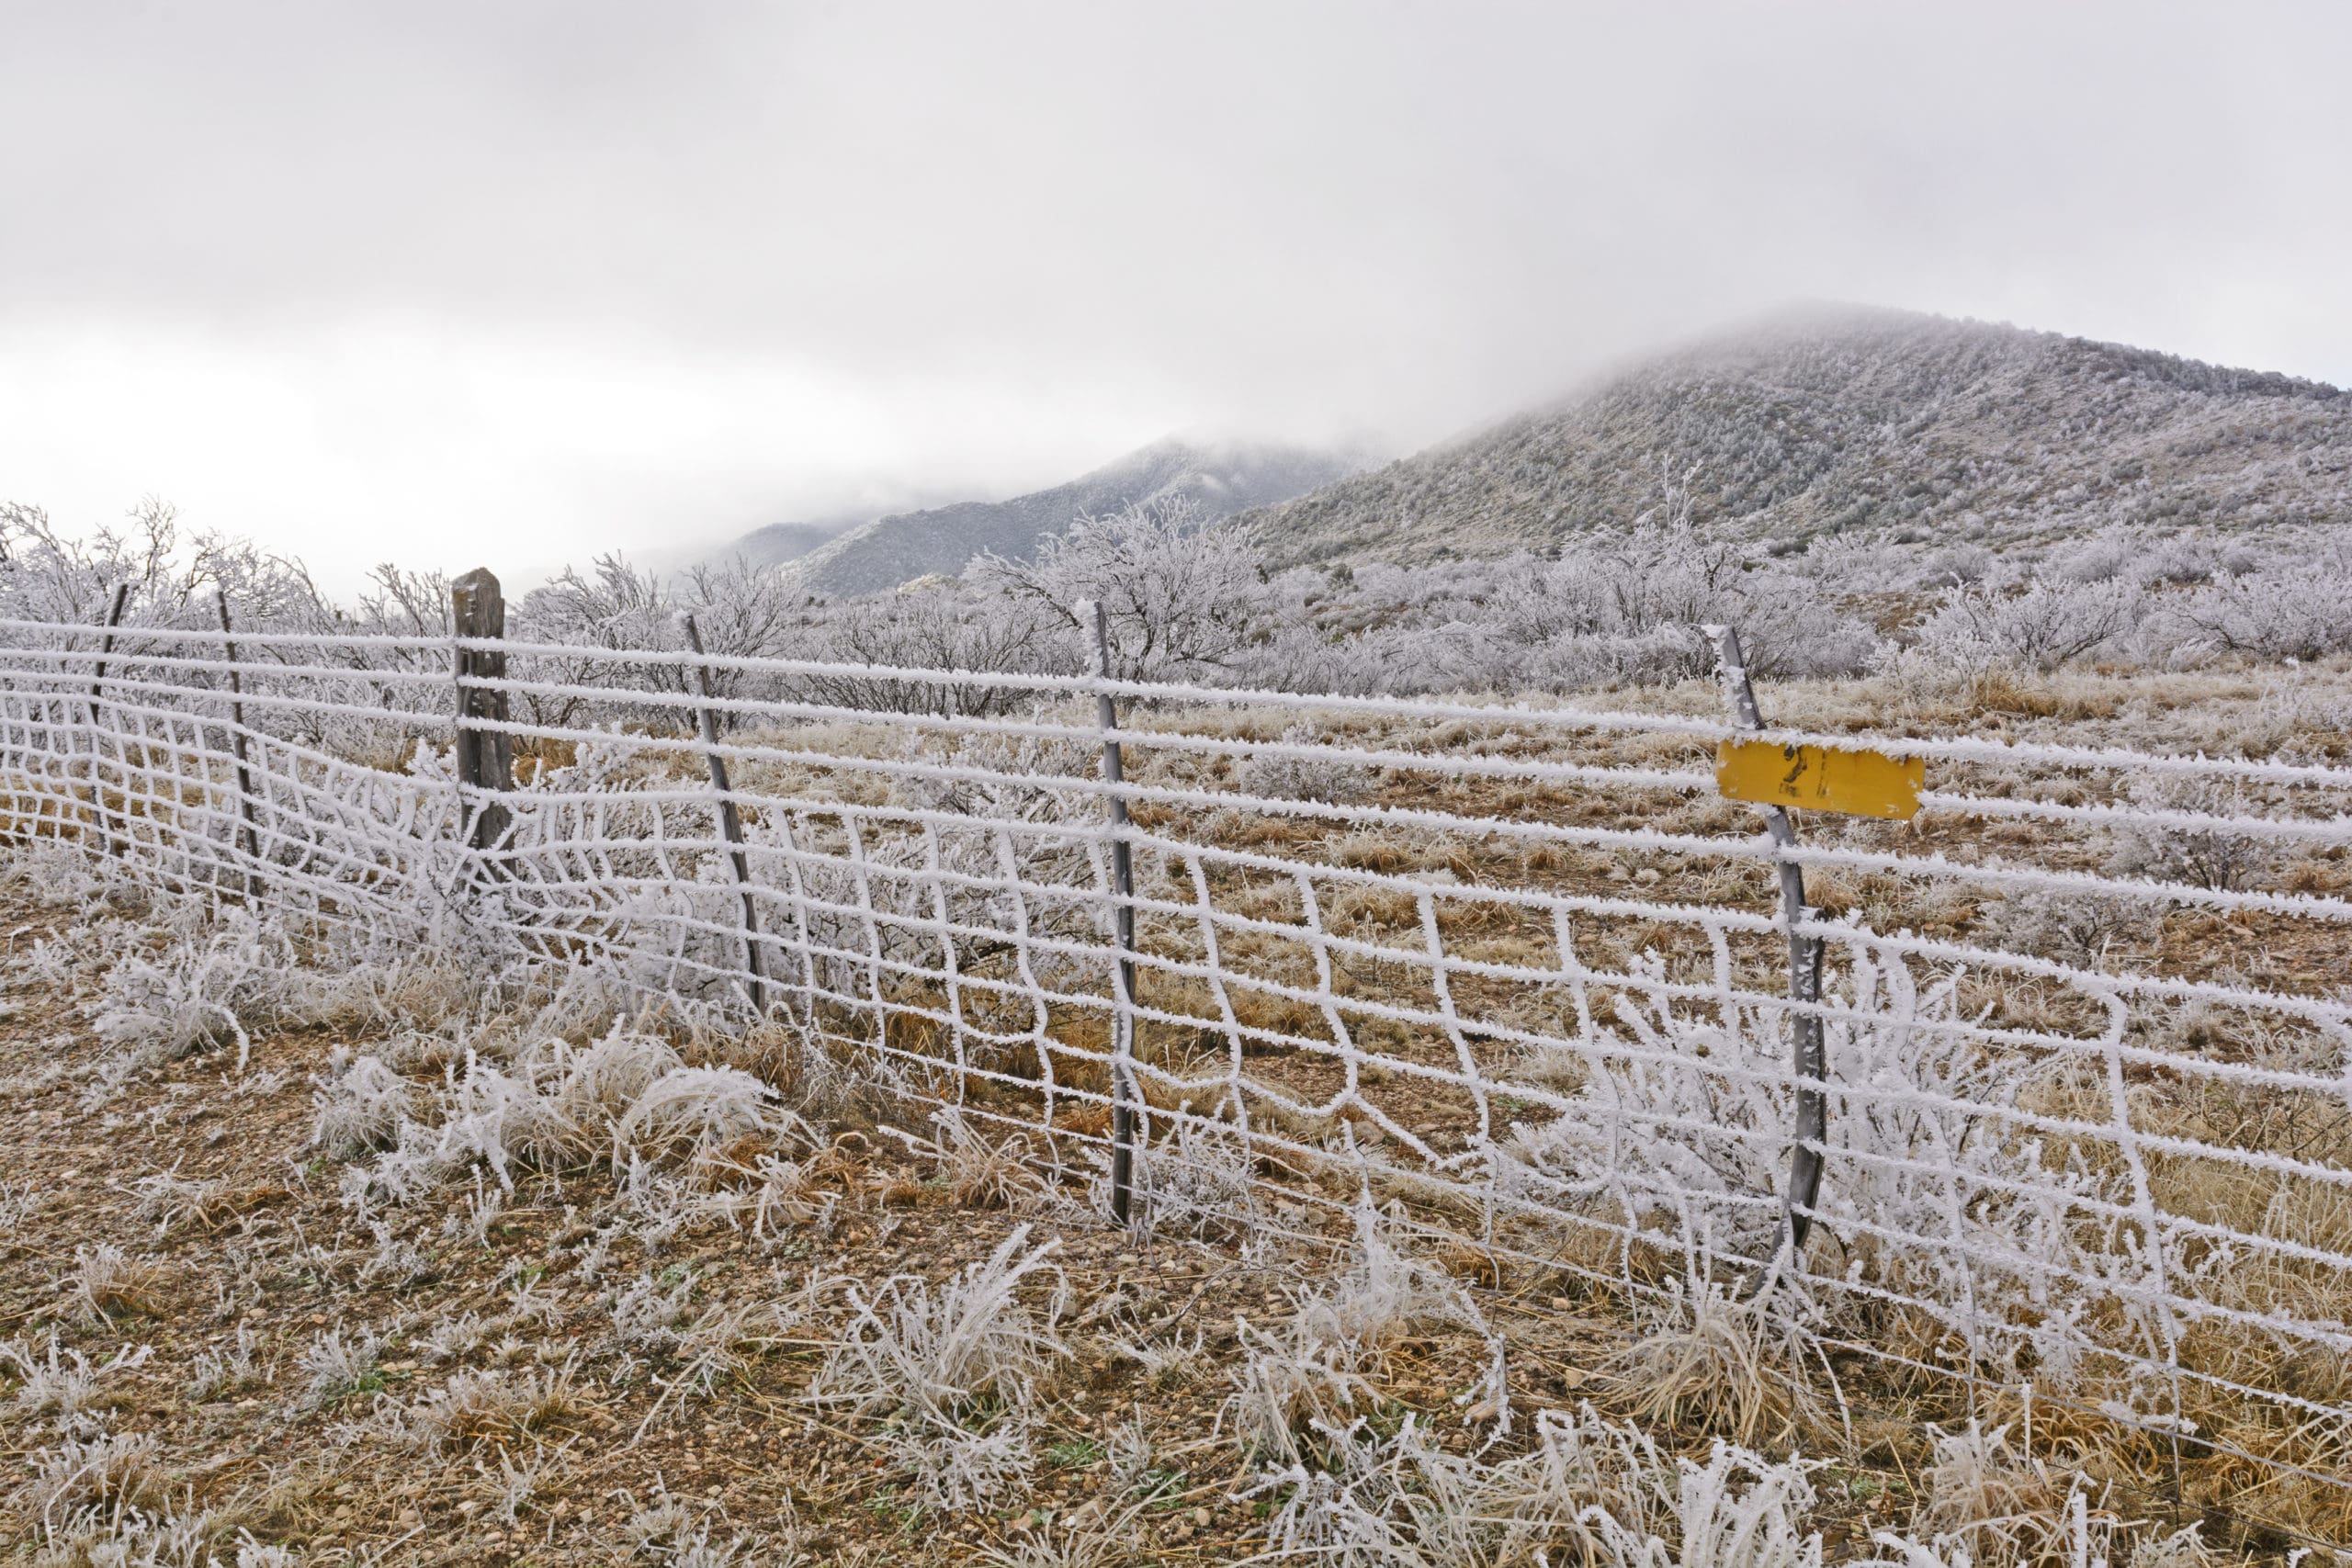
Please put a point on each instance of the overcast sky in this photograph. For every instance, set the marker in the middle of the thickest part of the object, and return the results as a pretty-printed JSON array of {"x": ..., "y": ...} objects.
[{"x": 511, "y": 283}]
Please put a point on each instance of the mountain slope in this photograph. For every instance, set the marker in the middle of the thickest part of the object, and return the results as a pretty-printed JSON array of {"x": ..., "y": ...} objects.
[
  {"x": 778, "y": 543},
  {"x": 1828, "y": 419},
  {"x": 1219, "y": 480}
]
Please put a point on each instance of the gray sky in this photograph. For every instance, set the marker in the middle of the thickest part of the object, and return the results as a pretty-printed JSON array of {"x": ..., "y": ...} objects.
[{"x": 511, "y": 283}]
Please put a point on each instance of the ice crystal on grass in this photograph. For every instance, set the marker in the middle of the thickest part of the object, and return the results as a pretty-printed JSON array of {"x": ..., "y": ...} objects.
[
  {"x": 60, "y": 1385},
  {"x": 1366, "y": 1500},
  {"x": 1310, "y": 1374},
  {"x": 337, "y": 1364},
  {"x": 110, "y": 1473},
  {"x": 1736, "y": 1511},
  {"x": 958, "y": 1367},
  {"x": 109, "y": 1283},
  {"x": 697, "y": 1111},
  {"x": 981, "y": 1172},
  {"x": 358, "y": 1106},
  {"x": 196, "y": 995},
  {"x": 225, "y": 1371},
  {"x": 477, "y": 1407}
]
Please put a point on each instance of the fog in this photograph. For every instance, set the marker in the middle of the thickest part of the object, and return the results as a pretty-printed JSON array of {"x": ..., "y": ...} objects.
[{"x": 516, "y": 283}]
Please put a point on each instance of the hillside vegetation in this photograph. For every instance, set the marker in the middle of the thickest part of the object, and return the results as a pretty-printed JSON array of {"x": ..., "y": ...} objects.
[
  {"x": 1826, "y": 421},
  {"x": 1211, "y": 480}
]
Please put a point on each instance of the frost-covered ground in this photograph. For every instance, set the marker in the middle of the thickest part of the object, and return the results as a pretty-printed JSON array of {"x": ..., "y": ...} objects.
[{"x": 391, "y": 1265}]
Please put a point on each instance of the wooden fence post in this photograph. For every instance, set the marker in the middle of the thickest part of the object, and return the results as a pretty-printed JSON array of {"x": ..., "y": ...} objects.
[
  {"x": 1122, "y": 1018},
  {"x": 485, "y": 757},
  {"x": 1809, "y": 1055},
  {"x": 250, "y": 833},
  {"x": 731, "y": 823}
]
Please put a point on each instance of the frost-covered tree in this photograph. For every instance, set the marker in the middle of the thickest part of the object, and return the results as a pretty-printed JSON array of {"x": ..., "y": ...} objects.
[{"x": 1184, "y": 597}]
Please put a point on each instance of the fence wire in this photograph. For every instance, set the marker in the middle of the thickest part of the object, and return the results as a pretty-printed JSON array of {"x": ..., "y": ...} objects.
[{"x": 1517, "y": 971}]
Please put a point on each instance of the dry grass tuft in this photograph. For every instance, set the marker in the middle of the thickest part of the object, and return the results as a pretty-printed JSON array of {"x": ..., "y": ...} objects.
[
  {"x": 1710, "y": 1363},
  {"x": 109, "y": 1283}
]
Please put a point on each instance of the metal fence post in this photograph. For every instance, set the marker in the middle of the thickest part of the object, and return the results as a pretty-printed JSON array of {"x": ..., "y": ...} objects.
[
  {"x": 1123, "y": 1017},
  {"x": 251, "y": 831},
  {"x": 485, "y": 756},
  {"x": 1809, "y": 1055},
  {"x": 98, "y": 693},
  {"x": 730, "y": 821}
]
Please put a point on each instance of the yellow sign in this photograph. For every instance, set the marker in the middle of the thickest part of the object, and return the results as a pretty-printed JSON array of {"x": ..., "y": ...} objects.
[{"x": 1858, "y": 784}]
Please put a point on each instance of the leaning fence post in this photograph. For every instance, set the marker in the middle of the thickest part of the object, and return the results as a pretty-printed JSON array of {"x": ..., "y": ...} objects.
[
  {"x": 1809, "y": 1057},
  {"x": 485, "y": 756},
  {"x": 250, "y": 832},
  {"x": 1122, "y": 1017},
  {"x": 730, "y": 821},
  {"x": 97, "y": 691}
]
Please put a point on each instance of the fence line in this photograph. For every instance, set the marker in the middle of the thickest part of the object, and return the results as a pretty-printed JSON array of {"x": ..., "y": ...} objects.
[{"x": 2084, "y": 1116}]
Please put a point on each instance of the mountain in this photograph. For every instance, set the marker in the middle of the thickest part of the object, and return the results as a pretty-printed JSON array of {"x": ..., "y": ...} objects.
[
  {"x": 779, "y": 543},
  {"x": 1830, "y": 418},
  {"x": 1219, "y": 478}
]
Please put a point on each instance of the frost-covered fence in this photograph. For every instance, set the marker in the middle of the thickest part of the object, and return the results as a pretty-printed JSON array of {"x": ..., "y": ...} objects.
[{"x": 1518, "y": 971}]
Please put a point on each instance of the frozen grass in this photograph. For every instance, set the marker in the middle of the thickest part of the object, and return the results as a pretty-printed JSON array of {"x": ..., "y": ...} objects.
[
  {"x": 959, "y": 1369},
  {"x": 359, "y": 1105},
  {"x": 111, "y": 1284},
  {"x": 196, "y": 993},
  {"x": 57, "y": 1384},
  {"x": 104, "y": 1475},
  {"x": 981, "y": 1172},
  {"x": 474, "y": 1408},
  {"x": 338, "y": 1364},
  {"x": 1709, "y": 1361},
  {"x": 1312, "y": 1372},
  {"x": 228, "y": 1370}
]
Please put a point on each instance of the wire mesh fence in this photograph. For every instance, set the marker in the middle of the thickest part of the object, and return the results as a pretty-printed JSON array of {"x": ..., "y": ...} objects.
[{"x": 1522, "y": 973}]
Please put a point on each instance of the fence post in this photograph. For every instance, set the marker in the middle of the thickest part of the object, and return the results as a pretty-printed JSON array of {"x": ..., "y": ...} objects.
[
  {"x": 730, "y": 821},
  {"x": 1809, "y": 1055},
  {"x": 97, "y": 691},
  {"x": 1122, "y": 1017},
  {"x": 485, "y": 757},
  {"x": 250, "y": 832}
]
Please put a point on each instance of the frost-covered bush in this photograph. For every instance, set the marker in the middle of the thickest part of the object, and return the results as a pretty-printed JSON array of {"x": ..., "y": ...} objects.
[
  {"x": 2047, "y": 625},
  {"x": 2211, "y": 855},
  {"x": 2296, "y": 607},
  {"x": 1681, "y": 1124},
  {"x": 1292, "y": 777},
  {"x": 1182, "y": 596}
]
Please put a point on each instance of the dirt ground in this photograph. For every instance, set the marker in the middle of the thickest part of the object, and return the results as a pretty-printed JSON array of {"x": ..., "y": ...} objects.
[{"x": 269, "y": 1253}]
